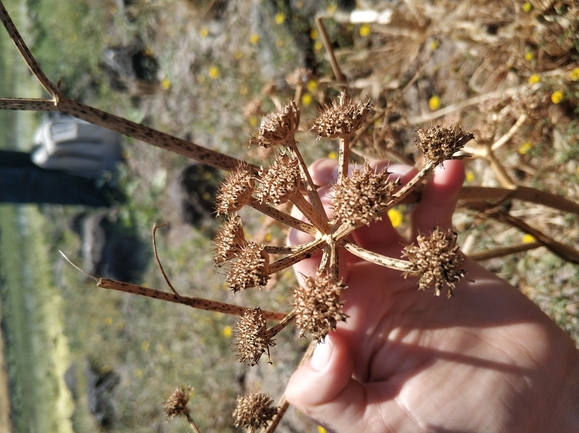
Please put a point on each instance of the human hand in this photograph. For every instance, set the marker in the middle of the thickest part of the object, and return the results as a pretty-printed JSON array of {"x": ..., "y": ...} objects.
[{"x": 487, "y": 359}]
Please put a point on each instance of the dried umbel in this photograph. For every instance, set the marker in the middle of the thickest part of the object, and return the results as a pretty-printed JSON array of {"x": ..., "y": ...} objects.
[
  {"x": 279, "y": 182},
  {"x": 229, "y": 240},
  {"x": 362, "y": 197},
  {"x": 341, "y": 118},
  {"x": 318, "y": 306},
  {"x": 436, "y": 259},
  {"x": 176, "y": 403},
  {"x": 299, "y": 77},
  {"x": 250, "y": 268},
  {"x": 253, "y": 411},
  {"x": 278, "y": 127},
  {"x": 235, "y": 192},
  {"x": 252, "y": 338},
  {"x": 439, "y": 143}
]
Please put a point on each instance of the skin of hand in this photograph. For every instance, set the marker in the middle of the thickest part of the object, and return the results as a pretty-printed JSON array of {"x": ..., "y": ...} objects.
[{"x": 486, "y": 360}]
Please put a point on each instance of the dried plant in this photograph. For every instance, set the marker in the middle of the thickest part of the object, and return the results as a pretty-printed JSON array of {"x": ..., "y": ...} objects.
[{"x": 360, "y": 197}]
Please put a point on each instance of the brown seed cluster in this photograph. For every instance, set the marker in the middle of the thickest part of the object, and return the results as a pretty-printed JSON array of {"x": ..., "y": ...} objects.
[
  {"x": 229, "y": 240},
  {"x": 252, "y": 339},
  {"x": 341, "y": 118},
  {"x": 279, "y": 182},
  {"x": 250, "y": 268},
  {"x": 235, "y": 192},
  {"x": 362, "y": 197},
  {"x": 278, "y": 127},
  {"x": 253, "y": 411},
  {"x": 299, "y": 77},
  {"x": 318, "y": 306},
  {"x": 176, "y": 403},
  {"x": 439, "y": 143},
  {"x": 436, "y": 259}
]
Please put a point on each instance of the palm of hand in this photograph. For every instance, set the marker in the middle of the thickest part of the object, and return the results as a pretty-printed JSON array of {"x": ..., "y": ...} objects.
[{"x": 407, "y": 361}]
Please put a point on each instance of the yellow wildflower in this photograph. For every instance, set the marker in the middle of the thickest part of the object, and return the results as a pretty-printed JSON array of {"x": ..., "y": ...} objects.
[
  {"x": 574, "y": 74},
  {"x": 396, "y": 217},
  {"x": 434, "y": 103},
  {"x": 165, "y": 83},
  {"x": 364, "y": 30},
  {"x": 254, "y": 39},
  {"x": 557, "y": 96},
  {"x": 227, "y": 331},
  {"x": 527, "y": 7},
  {"x": 527, "y": 239},
  {"x": 213, "y": 72},
  {"x": 534, "y": 79},
  {"x": 307, "y": 99},
  {"x": 525, "y": 147},
  {"x": 312, "y": 86}
]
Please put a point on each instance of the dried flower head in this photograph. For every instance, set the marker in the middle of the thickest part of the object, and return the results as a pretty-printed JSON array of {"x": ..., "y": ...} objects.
[
  {"x": 235, "y": 191},
  {"x": 436, "y": 260},
  {"x": 362, "y": 197},
  {"x": 229, "y": 240},
  {"x": 278, "y": 127},
  {"x": 318, "y": 306},
  {"x": 252, "y": 339},
  {"x": 299, "y": 77},
  {"x": 439, "y": 143},
  {"x": 341, "y": 118},
  {"x": 176, "y": 403},
  {"x": 250, "y": 268},
  {"x": 280, "y": 181},
  {"x": 253, "y": 411}
]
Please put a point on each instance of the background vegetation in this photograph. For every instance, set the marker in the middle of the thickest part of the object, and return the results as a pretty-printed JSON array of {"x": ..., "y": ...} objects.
[{"x": 213, "y": 59}]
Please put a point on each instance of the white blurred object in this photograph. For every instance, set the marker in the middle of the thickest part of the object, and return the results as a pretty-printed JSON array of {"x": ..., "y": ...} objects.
[
  {"x": 76, "y": 147},
  {"x": 364, "y": 16}
]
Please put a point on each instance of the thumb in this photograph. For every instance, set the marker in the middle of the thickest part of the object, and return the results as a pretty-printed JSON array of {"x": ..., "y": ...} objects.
[{"x": 324, "y": 390}]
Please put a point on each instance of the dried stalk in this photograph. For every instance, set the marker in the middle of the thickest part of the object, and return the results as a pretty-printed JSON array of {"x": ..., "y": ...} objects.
[{"x": 199, "y": 303}]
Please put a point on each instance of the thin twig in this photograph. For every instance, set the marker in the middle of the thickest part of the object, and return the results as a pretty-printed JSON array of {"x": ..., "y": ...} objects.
[
  {"x": 155, "y": 227},
  {"x": 328, "y": 46},
  {"x": 505, "y": 251}
]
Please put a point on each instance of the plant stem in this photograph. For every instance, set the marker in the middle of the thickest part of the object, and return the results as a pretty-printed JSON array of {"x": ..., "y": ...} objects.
[{"x": 199, "y": 303}]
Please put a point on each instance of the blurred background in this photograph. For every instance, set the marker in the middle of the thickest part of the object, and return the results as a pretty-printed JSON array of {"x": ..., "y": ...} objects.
[{"x": 77, "y": 358}]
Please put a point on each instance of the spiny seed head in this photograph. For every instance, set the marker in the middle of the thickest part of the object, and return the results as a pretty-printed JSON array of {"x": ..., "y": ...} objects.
[
  {"x": 436, "y": 259},
  {"x": 235, "y": 191},
  {"x": 439, "y": 143},
  {"x": 229, "y": 239},
  {"x": 362, "y": 197},
  {"x": 253, "y": 411},
  {"x": 250, "y": 268},
  {"x": 252, "y": 339},
  {"x": 341, "y": 118},
  {"x": 318, "y": 306},
  {"x": 176, "y": 403},
  {"x": 279, "y": 182},
  {"x": 278, "y": 127}
]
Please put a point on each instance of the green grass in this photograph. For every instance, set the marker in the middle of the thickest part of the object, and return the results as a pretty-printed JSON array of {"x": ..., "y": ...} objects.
[{"x": 37, "y": 350}]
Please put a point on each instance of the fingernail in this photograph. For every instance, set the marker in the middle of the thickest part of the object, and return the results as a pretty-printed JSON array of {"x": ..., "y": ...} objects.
[{"x": 322, "y": 355}]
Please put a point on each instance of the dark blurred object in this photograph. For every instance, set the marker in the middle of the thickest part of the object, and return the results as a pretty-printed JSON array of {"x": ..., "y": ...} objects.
[
  {"x": 72, "y": 163},
  {"x": 132, "y": 68},
  {"x": 193, "y": 192}
]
